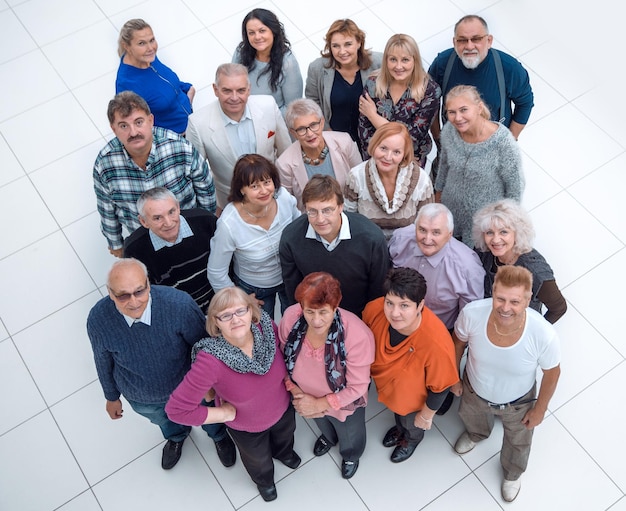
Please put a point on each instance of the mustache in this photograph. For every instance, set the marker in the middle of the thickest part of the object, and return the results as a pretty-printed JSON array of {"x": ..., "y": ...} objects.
[{"x": 136, "y": 137}]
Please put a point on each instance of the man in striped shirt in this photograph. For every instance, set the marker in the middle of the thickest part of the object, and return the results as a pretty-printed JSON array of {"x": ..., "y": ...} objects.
[{"x": 141, "y": 157}]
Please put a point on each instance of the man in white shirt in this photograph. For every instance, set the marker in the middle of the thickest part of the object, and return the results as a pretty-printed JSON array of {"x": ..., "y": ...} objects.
[{"x": 234, "y": 125}]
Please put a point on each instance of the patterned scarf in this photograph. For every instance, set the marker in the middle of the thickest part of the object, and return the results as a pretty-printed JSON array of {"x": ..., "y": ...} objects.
[
  {"x": 263, "y": 350},
  {"x": 334, "y": 351}
]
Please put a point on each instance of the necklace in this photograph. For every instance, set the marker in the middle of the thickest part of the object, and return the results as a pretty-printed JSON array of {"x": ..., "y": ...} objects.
[
  {"x": 500, "y": 263},
  {"x": 493, "y": 322},
  {"x": 253, "y": 215},
  {"x": 318, "y": 160}
]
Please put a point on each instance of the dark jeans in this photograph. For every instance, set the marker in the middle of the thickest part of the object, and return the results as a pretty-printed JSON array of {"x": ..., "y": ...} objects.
[
  {"x": 267, "y": 294},
  {"x": 155, "y": 413}
]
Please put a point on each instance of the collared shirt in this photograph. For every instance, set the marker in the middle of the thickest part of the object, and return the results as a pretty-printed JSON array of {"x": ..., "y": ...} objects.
[
  {"x": 344, "y": 234},
  {"x": 240, "y": 134},
  {"x": 118, "y": 182},
  {"x": 184, "y": 231},
  {"x": 454, "y": 275},
  {"x": 146, "y": 317}
]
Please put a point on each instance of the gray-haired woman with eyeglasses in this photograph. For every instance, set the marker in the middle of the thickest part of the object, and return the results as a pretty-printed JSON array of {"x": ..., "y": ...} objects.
[
  {"x": 314, "y": 151},
  {"x": 241, "y": 365}
]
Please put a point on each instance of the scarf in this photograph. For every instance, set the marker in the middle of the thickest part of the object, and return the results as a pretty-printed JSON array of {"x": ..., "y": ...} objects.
[
  {"x": 406, "y": 182},
  {"x": 263, "y": 350},
  {"x": 334, "y": 350}
]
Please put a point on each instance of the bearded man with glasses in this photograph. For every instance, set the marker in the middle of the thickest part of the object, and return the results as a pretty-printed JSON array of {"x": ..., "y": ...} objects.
[
  {"x": 141, "y": 337},
  {"x": 500, "y": 78},
  {"x": 349, "y": 246}
]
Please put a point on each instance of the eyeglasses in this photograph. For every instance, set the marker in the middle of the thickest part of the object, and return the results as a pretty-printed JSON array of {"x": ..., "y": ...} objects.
[
  {"x": 124, "y": 297},
  {"x": 475, "y": 40},
  {"x": 326, "y": 212},
  {"x": 230, "y": 315},
  {"x": 314, "y": 127}
]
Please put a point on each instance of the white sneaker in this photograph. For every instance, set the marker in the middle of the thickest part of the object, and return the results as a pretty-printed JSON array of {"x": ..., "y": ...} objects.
[
  {"x": 510, "y": 489},
  {"x": 464, "y": 444}
]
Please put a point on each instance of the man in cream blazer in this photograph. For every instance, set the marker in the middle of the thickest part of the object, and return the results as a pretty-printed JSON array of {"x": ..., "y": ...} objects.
[{"x": 236, "y": 124}]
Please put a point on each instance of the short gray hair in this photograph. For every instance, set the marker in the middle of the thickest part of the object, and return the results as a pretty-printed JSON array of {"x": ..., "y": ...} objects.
[
  {"x": 299, "y": 108},
  {"x": 157, "y": 193},
  {"x": 433, "y": 210},
  {"x": 509, "y": 214},
  {"x": 124, "y": 263},
  {"x": 231, "y": 69}
]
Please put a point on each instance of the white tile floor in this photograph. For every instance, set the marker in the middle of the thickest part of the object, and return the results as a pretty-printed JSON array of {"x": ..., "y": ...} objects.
[{"x": 59, "y": 450}]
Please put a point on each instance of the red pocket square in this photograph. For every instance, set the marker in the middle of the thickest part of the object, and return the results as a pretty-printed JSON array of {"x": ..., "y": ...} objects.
[{"x": 270, "y": 134}]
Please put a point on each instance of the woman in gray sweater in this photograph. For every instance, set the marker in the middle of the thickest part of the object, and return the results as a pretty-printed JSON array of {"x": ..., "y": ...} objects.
[{"x": 480, "y": 161}]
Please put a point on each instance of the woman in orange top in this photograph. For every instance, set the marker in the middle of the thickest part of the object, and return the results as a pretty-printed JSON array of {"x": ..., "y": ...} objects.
[{"x": 414, "y": 362}]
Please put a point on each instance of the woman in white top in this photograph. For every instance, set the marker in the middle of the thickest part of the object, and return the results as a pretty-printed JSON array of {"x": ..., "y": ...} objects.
[
  {"x": 390, "y": 187},
  {"x": 248, "y": 233}
]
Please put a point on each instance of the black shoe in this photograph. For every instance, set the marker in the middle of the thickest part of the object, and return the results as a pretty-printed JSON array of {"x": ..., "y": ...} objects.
[
  {"x": 392, "y": 437},
  {"x": 349, "y": 468},
  {"x": 171, "y": 454},
  {"x": 446, "y": 404},
  {"x": 322, "y": 446},
  {"x": 293, "y": 461},
  {"x": 268, "y": 492},
  {"x": 226, "y": 451},
  {"x": 403, "y": 451}
]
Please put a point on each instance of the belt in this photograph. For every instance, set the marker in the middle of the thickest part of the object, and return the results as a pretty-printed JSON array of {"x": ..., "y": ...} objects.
[{"x": 519, "y": 401}]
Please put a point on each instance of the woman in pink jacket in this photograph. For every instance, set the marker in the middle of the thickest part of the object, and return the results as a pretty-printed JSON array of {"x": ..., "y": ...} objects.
[
  {"x": 315, "y": 151},
  {"x": 328, "y": 352}
]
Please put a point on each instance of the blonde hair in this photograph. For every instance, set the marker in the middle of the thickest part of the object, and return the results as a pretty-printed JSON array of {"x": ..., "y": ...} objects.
[
  {"x": 472, "y": 93},
  {"x": 127, "y": 32},
  {"x": 388, "y": 130},
  {"x": 225, "y": 298},
  {"x": 419, "y": 77}
]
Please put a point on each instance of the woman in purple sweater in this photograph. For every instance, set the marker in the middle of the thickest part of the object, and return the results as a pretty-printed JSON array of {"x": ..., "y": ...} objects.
[
  {"x": 328, "y": 352},
  {"x": 241, "y": 364}
]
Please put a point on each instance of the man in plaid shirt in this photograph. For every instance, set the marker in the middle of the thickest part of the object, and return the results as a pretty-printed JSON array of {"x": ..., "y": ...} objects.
[{"x": 141, "y": 157}]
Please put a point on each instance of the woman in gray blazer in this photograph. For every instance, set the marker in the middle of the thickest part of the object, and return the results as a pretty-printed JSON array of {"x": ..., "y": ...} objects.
[{"x": 336, "y": 79}]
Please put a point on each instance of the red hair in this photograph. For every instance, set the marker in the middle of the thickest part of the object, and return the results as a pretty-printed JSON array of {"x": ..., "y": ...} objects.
[{"x": 318, "y": 289}]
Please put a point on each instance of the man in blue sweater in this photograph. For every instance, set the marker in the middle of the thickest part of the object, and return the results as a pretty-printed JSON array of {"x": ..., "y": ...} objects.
[
  {"x": 141, "y": 338},
  {"x": 472, "y": 61}
]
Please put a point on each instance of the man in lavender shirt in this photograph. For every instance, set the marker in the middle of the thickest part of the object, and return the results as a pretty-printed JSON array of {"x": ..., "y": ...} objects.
[{"x": 453, "y": 272}]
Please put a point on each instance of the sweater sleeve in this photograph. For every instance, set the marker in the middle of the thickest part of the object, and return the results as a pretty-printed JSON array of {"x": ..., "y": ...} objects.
[
  {"x": 351, "y": 193},
  {"x": 292, "y": 276},
  {"x": 379, "y": 267},
  {"x": 103, "y": 360},
  {"x": 291, "y": 83},
  {"x": 511, "y": 168},
  {"x": 550, "y": 295},
  {"x": 185, "y": 404}
]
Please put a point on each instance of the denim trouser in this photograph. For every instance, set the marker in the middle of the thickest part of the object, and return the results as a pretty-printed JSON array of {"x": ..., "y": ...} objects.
[
  {"x": 478, "y": 418},
  {"x": 155, "y": 413},
  {"x": 267, "y": 294}
]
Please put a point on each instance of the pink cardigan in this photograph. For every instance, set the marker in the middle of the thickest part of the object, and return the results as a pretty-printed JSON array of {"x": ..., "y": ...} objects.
[
  {"x": 343, "y": 153},
  {"x": 309, "y": 372},
  {"x": 260, "y": 400}
]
